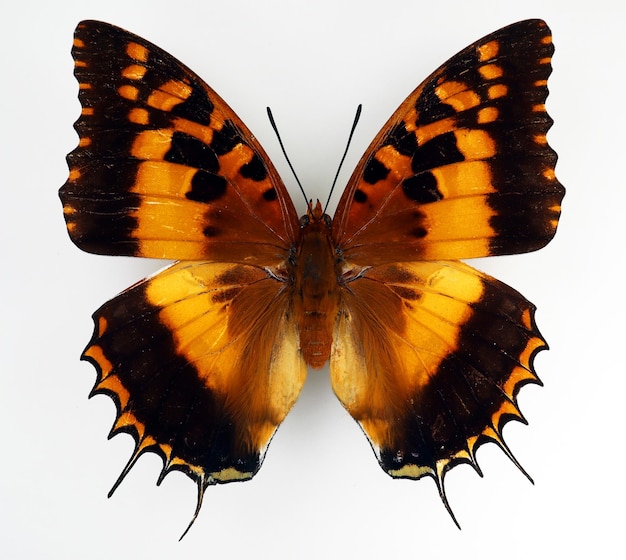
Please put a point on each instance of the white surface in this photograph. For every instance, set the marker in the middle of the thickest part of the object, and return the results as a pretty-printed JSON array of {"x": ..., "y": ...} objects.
[{"x": 320, "y": 493}]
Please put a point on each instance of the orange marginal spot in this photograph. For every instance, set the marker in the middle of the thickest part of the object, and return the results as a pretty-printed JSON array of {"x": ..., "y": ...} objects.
[
  {"x": 134, "y": 72},
  {"x": 128, "y": 92},
  {"x": 497, "y": 90},
  {"x": 507, "y": 409},
  {"x": 539, "y": 108},
  {"x": 487, "y": 115},
  {"x": 488, "y": 50},
  {"x": 549, "y": 174},
  {"x": 527, "y": 319},
  {"x": 80, "y": 63},
  {"x": 540, "y": 139},
  {"x": 490, "y": 71},
  {"x": 152, "y": 144},
  {"x": 78, "y": 43},
  {"x": 102, "y": 325},
  {"x": 87, "y": 111},
  {"x": 167, "y": 451},
  {"x": 541, "y": 83},
  {"x": 84, "y": 86},
  {"x": 545, "y": 60},
  {"x": 520, "y": 374},
  {"x": 74, "y": 175},
  {"x": 113, "y": 384},
  {"x": 128, "y": 419},
  {"x": 137, "y": 52},
  {"x": 146, "y": 440},
  {"x": 139, "y": 116},
  {"x": 96, "y": 353},
  {"x": 83, "y": 143},
  {"x": 546, "y": 40}
]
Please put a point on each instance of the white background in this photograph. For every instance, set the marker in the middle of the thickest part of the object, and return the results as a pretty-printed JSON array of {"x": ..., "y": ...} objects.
[{"x": 320, "y": 493}]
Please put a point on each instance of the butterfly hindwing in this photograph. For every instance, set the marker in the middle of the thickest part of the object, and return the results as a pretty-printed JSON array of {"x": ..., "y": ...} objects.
[
  {"x": 164, "y": 168},
  {"x": 202, "y": 361},
  {"x": 429, "y": 358},
  {"x": 462, "y": 169}
]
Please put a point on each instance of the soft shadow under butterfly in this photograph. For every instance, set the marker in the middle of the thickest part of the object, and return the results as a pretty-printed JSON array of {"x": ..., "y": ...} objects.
[{"x": 205, "y": 359}]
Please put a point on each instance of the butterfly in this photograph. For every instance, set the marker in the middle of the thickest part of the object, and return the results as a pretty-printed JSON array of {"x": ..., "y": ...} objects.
[{"x": 205, "y": 359}]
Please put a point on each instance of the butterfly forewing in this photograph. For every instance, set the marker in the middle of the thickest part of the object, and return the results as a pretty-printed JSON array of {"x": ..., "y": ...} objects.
[
  {"x": 164, "y": 168},
  {"x": 462, "y": 169}
]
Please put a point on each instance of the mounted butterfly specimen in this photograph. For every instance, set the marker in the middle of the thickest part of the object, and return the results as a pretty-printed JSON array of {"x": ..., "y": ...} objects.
[{"x": 205, "y": 359}]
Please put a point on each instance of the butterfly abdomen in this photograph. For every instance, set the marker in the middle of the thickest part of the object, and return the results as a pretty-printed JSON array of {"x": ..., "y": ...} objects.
[{"x": 316, "y": 292}]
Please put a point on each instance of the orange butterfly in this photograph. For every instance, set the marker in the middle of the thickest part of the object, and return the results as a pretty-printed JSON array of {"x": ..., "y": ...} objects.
[{"x": 205, "y": 359}]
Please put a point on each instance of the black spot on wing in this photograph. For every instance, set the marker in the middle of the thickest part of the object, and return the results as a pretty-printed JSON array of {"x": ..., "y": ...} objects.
[
  {"x": 360, "y": 196},
  {"x": 270, "y": 194},
  {"x": 441, "y": 150},
  {"x": 375, "y": 171},
  {"x": 207, "y": 187},
  {"x": 403, "y": 141},
  {"x": 422, "y": 188},
  {"x": 188, "y": 150},
  {"x": 254, "y": 169}
]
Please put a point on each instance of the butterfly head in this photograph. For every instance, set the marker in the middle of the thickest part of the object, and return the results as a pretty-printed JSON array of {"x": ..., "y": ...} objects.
[{"x": 315, "y": 215}]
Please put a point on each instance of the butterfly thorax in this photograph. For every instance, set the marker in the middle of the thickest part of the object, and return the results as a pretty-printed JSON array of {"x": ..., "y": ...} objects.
[{"x": 316, "y": 291}]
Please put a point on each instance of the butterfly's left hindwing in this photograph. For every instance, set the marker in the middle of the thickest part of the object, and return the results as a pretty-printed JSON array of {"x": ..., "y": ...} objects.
[
  {"x": 164, "y": 168},
  {"x": 203, "y": 364}
]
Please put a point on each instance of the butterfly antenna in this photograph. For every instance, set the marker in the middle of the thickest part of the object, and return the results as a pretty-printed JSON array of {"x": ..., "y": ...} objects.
[
  {"x": 345, "y": 153},
  {"x": 282, "y": 147}
]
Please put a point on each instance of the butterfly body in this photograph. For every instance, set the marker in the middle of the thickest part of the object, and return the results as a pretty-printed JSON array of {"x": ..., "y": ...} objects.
[
  {"x": 206, "y": 358},
  {"x": 316, "y": 269}
]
